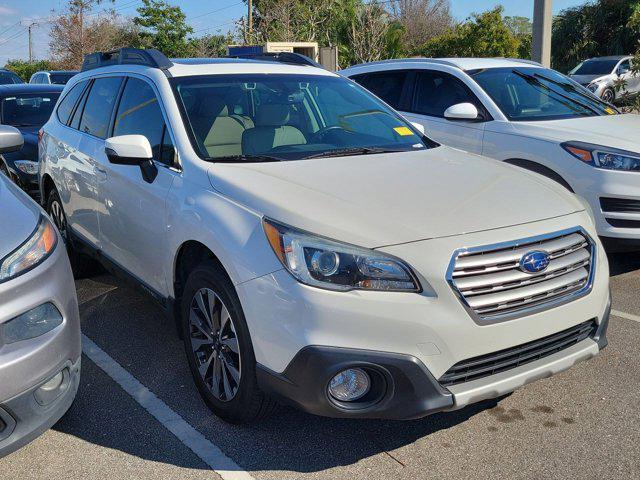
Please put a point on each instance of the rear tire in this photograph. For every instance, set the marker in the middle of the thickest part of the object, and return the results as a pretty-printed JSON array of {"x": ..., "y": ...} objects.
[
  {"x": 219, "y": 349},
  {"x": 82, "y": 265}
]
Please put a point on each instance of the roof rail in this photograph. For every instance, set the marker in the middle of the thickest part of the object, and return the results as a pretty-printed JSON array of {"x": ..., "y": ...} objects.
[
  {"x": 281, "y": 57},
  {"x": 126, "y": 56}
]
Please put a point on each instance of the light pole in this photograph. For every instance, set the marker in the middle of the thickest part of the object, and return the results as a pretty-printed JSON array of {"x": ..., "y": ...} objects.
[{"x": 541, "y": 42}]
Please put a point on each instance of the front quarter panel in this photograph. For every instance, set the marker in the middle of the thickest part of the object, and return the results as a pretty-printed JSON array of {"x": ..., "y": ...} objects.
[{"x": 232, "y": 232}]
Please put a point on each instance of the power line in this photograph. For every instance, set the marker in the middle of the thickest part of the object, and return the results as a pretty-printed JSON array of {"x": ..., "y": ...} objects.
[
  {"x": 9, "y": 28},
  {"x": 216, "y": 11}
]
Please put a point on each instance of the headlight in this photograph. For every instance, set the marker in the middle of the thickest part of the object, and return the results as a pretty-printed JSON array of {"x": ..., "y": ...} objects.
[
  {"x": 31, "y": 324},
  {"x": 32, "y": 252},
  {"x": 604, "y": 157},
  {"x": 27, "y": 166},
  {"x": 333, "y": 265}
]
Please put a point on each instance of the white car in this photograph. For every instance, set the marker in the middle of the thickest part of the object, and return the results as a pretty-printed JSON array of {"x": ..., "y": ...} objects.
[
  {"x": 313, "y": 245},
  {"x": 601, "y": 74},
  {"x": 526, "y": 115}
]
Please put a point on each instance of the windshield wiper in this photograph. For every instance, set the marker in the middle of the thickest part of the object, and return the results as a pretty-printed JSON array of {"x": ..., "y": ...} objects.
[
  {"x": 246, "y": 159},
  {"x": 535, "y": 79},
  {"x": 345, "y": 152}
]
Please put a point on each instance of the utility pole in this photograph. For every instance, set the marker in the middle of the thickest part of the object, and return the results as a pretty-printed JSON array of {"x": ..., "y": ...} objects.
[
  {"x": 250, "y": 17},
  {"x": 542, "y": 21},
  {"x": 29, "y": 27}
]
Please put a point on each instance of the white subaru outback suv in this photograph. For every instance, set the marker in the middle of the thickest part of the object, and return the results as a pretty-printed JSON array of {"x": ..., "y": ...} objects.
[
  {"x": 521, "y": 113},
  {"x": 315, "y": 247}
]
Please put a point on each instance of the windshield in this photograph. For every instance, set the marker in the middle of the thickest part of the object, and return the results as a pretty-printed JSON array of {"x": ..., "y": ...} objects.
[
  {"x": 596, "y": 66},
  {"x": 262, "y": 117},
  {"x": 538, "y": 94},
  {"x": 28, "y": 110},
  {"x": 8, "y": 78},
  {"x": 60, "y": 78}
]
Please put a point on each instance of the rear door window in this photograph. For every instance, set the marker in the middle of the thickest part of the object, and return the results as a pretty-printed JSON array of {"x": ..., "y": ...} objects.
[
  {"x": 140, "y": 114},
  {"x": 386, "y": 85},
  {"x": 436, "y": 91},
  {"x": 98, "y": 107},
  {"x": 67, "y": 104}
]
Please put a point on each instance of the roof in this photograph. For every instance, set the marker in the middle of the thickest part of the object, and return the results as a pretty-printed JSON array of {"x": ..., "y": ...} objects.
[
  {"x": 610, "y": 57},
  {"x": 461, "y": 63},
  {"x": 58, "y": 71},
  {"x": 18, "y": 88}
]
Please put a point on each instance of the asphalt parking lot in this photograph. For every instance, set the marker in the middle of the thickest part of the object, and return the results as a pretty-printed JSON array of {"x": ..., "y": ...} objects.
[{"x": 583, "y": 423}]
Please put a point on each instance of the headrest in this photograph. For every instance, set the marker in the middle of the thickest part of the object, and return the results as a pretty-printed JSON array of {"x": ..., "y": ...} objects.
[{"x": 272, "y": 114}]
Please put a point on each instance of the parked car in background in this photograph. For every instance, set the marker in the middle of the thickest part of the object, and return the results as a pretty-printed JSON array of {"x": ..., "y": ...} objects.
[
  {"x": 526, "y": 115},
  {"x": 7, "y": 77},
  {"x": 601, "y": 74},
  {"x": 313, "y": 245},
  {"x": 26, "y": 107},
  {"x": 39, "y": 320},
  {"x": 52, "y": 77}
]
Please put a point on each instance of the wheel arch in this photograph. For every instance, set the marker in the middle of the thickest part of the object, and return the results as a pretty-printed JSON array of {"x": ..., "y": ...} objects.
[
  {"x": 541, "y": 170},
  {"x": 48, "y": 185}
]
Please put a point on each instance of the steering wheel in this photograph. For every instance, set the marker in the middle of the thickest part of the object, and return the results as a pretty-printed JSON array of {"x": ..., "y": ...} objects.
[{"x": 320, "y": 134}]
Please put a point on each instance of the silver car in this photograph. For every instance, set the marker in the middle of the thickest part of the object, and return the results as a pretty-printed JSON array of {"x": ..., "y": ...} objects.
[
  {"x": 600, "y": 75},
  {"x": 39, "y": 321}
]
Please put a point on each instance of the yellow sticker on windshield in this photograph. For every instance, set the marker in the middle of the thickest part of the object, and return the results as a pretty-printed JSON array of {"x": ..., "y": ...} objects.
[
  {"x": 610, "y": 111},
  {"x": 403, "y": 131}
]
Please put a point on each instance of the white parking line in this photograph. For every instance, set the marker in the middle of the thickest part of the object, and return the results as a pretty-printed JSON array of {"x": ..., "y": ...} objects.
[
  {"x": 189, "y": 436},
  {"x": 628, "y": 316}
]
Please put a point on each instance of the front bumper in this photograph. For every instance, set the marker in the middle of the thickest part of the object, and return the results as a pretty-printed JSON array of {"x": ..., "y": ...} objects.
[
  {"x": 28, "y": 364},
  {"x": 431, "y": 329}
]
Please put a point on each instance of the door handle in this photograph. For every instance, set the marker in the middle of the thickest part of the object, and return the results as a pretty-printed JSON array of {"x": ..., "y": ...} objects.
[{"x": 100, "y": 172}]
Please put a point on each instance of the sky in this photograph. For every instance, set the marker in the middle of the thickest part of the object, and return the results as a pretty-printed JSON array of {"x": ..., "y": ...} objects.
[{"x": 205, "y": 16}]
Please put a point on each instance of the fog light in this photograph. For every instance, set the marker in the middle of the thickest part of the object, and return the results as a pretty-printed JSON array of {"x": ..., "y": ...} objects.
[
  {"x": 31, "y": 324},
  {"x": 350, "y": 385},
  {"x": 53, "y": 388}
]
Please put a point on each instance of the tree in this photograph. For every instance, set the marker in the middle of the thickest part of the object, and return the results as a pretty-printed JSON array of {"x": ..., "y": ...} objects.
[
  {"x": 421, "y": 20},
  {"x": 368, "y": 33},
  {"x": 483, "y": 35},
  {"x": 25, "y": 69},
  {"x": 522, "y": 29},
  {"x": 210, "y": 46},
  {"x": 69, "y": 39},
  {"x": 597, "y": 28},
  {"x": 164, "y": 27}
]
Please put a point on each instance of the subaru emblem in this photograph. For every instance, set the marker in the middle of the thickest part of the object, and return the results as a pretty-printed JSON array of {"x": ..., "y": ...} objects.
[{"x": 534, "y": 262}]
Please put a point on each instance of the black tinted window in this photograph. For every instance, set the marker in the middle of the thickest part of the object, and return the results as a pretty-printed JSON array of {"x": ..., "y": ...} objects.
[
  {"x": 68, "y": 102},
  {"x": 7, "y": 78},
  {"x": 60, "y": 78},
  {"x": 140, "y": 114},
  {"x": 99, "y": 106},
  {"x": 28, "y": 110},
  {"x": 386, "y": 85},
  {"x": 437, "y": 91}
]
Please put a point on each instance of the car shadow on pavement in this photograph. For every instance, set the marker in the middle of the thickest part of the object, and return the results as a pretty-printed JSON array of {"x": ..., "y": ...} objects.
[
  {"x": 624, "y": 262},
  {"x": 134, "y": 332}
]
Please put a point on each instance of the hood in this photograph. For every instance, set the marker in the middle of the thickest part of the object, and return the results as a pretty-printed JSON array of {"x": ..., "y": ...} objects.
[
  {"x": 618, "y": 131},
  {"x": 386, "y": 199},
  {"x": 18, "y": 216},
  {"x": 587, "y": 79}
]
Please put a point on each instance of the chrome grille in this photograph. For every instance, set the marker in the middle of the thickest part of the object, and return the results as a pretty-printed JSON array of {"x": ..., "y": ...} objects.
[{"x": 491, "y": 284}]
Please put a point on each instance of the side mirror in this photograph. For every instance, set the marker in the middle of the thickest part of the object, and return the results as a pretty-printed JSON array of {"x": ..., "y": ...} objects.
[
  {"x": 132, "y": 150},
  {"x": 11, "y": 139},
  {"x": 419, "y": 127},
  {"x": 462, "y": 111}
]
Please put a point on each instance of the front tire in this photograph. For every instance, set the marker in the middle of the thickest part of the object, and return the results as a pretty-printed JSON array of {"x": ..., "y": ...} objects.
[
  {"x": 609, "y": 95},
  {"x": 219, "y": 349}
]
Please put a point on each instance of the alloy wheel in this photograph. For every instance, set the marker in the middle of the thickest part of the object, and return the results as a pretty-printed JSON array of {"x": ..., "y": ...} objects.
[
  {"x": 57, "y": 215},
  {"x": 214, "y": 344},
  {"x": 608, "y": 96}
]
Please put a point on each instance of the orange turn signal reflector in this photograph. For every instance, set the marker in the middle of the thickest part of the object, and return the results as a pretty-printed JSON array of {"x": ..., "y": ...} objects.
[
  {"x": 584, "y": 155},
  {"x": 49, "y": 237},
  {"x": 273, "y": 235}
]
